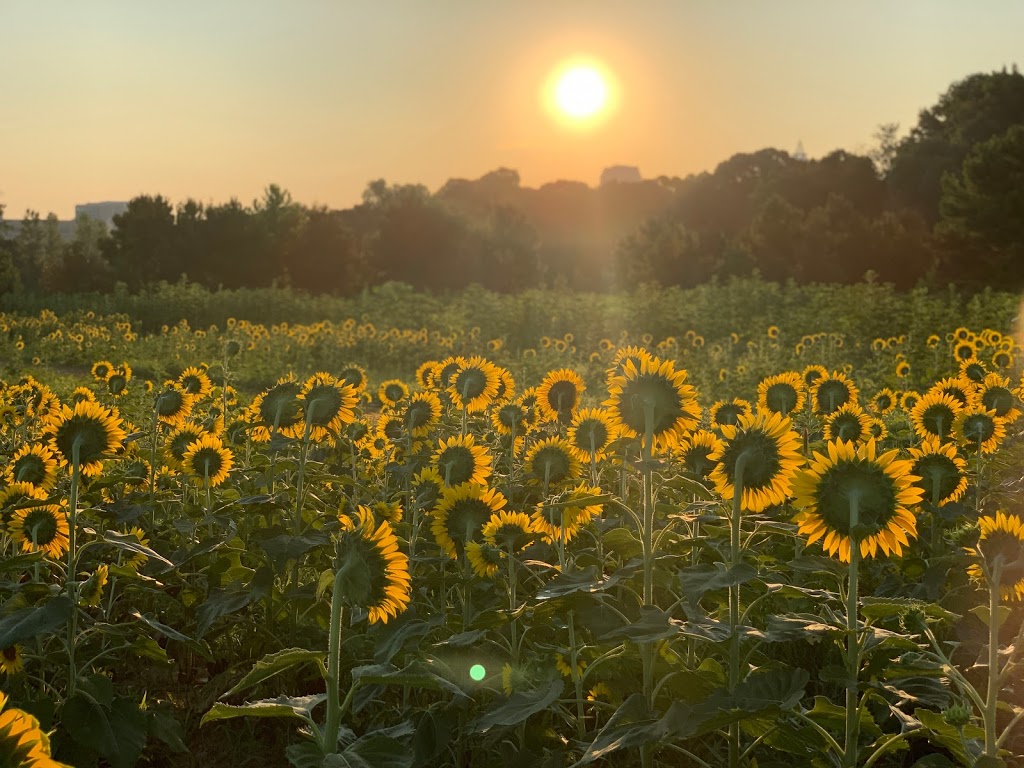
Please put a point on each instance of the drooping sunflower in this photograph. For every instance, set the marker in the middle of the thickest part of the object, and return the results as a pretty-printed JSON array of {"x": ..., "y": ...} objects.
[
  {"x": 474, "y": 384},
  {"x": 483, "y": 558},
  {"x": 196, "y": 382},
  {"x": 82, "y": 393},
  {"x": 88, "y": 432},
  {"x": 695, "y": 450},
  {"x": 657, "y": 392},
  {"x": 771, "y": 451},
  {"x": 832, "y": 392},
  {"x": 847, "y": 423},
  {"x": 1001, "y": 537},
  {"x": 590, "y": 434},
  {"x": 961, "y": 389},
  {"x": 566, "y": 513},
  {"x": 173, "y": 405},
  {"x": 728, "y": 411},
  {"x": 35, "y": 464},
  {"x": 327, "y": 405},
  {"x": 997, "y": 396},
  {"x": 933, "y": 415},
  {"x": 461, "y": 514},
  {"x": 941, "y": 471},
  {"x": 91, "y": 592},
  {"x": 41, "y": 529},
  {"x": 11, "y": 661},
  {"x": 883, "y": 488},
  {"x": 884, "y": 401},
  {"x": 558, "y": 395},
  {"x": 460, "y": 460},
  {"x": 551, "y": 462},
  {"x": 207, "y": 460},
  {"x": 782, "y": 393},
  {"x": 135, "y": 560},
  {"x": 976, "y": 428},
  {"x": 371, "y": 550},
  {"x": 392, "y": 392}
]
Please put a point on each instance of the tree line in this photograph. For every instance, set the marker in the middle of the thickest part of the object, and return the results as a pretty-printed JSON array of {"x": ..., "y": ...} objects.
[{"x": 942, "y": 204}]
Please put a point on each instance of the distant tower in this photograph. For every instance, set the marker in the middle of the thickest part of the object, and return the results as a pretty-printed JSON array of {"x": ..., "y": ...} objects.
[{"x": 798, "y": 153}]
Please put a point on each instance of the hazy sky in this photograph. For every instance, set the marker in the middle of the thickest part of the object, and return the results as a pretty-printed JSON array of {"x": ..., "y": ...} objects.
[{"x": 105, "y": 100}]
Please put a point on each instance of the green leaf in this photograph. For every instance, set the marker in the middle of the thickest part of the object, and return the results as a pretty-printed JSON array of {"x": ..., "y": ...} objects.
[
  {"x": 284, "y": 548},
  {"x": 129, "y": 543},
  {"x": 628, "y": 727},
  {"x": 889, "y": 607},
  {"x": 373, "y": 751},
  {"x": 791, "y": 590},
  {"x": 172, "y": 634},
  {"x": 622, "y": 542},
  {"x": 273, "y": 664},
  {"x": 981, "y": 611},
  {"x": 586, "y": 580},
  {"x": 33, "y": 621},
  {"x": 418, "y": 675},
  {"x": 301, "y": 708},
  {"x": 117, "y": 733},
  {"x": 220, "y": 603},
  {"x": 520, "y": 706},
  {"x": 696, "y": 580},
  {"x": 944, "y": 734},
  {"x": 653, "y": 624}
]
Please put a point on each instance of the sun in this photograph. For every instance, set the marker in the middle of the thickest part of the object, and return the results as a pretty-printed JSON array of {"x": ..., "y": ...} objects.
[{"x": 580, "y": 92}]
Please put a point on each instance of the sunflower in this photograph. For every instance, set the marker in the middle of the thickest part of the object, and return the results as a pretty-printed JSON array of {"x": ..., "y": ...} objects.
[
  {"x": 483, "y": 558},
  {"x": 1002, "y": 537},
  {"x": 327, "y": 405},
  {"x": 82, "y": 393},
  {"x": 173, "y": 405},
  {"x": 461, "y": 514},
  {"x": 101, "y": 369},
  {"x": 880, "y": 487},
  {"x": 728, "y": 411},
  {"x": 446, "y": 371},
  {"x": 654, "y": 392},
  {"x": 91, "y": 592},
  {"x": 95, "y": 431},
  {"x": 566, "y": 671},
  {"x": 35, "y": 464},
  {"x": 961, "y": 389},
  {"x": 509, "y": 531},
  {"x": 196, "y": 382},
  {"x": 1002, "y": 359},
  {"x": 18, "y": 496},
  {"x": 136, "y": 560},
  {"x": 590, "y": 434},
  {"x": 551, "y": 462},
  {"x": 506, "y": 385},
  {"x": 973, "y": 370},
  {"x": 179, "y": 441},
  {"x": 847, "y": 423},
  {"x": 909, "y": 400},
  {"x": 426, "y": 374},
  {"x": 933, "y": 415},
  {"x": 558, "y": 395},
  {"x": 812, "y": 374},
  {"x": 41, "y": 529},
  {"x": 11, "y": 660},
  {"x": 832, "y": 392},
  {"x": 371, "y": 550},
  {"x": 771, "y": 451},
  {"x": 940, "y": 470},
  {"x": 473, "y": 384},
  {"x": 624, "y": 356},
  {"x": 976, "y": 428},
  {"x": 117, "y": 383},
  {"x": 421, "y": 413},
  {"x": 511, "y": 418},
  {"x": 354, "y": 376},
  {"x": 884, "y": 401},
  {"x": 773, "y": 331},
  {"x": 460, "y": 460},
  {"x": 392, "y": 392},
  {"x": 566, "y": 513},
  {"x": 23, "y": 743},
  {"x": 427, "y": 486},
  {"x": 902, "y": 369},
  {"x": 877, "y": 429},
  {"x": 695, "y": 450},
  {"x": 965, "y": 350},
  {"x": 782, "y": 393},
  {"x": 997, "y": 396},
  {"x": 207, "y": 460}
]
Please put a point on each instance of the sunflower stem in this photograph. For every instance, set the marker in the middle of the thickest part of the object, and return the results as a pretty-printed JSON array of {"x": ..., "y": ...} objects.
[
  {"x": 936, "y": 519},
  {"x": 992, "y": 697},
  {"x": 577, "y": 678},
  {"x": 735, "y": 554},
  {"x": 70, "y": 582},
  {"x": 513, "y": 624},
  {"x": 334, "y": 709},
  {"x": 647, "y": 538},
  {"x": 850, "y": 748}
]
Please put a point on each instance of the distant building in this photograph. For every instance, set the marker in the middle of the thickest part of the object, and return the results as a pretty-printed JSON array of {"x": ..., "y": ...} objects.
[
  {"x": 104, "y": 212},
  {"x": 798, "y": 153},
  {"x": 622, "y": 174}
]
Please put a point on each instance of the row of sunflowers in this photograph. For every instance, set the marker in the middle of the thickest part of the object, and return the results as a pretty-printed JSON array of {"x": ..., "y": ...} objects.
[{"x": 454, "y": 569}]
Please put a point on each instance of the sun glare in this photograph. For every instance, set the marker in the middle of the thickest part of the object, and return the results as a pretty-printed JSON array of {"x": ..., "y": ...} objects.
[{"x": 580, "y": 92}]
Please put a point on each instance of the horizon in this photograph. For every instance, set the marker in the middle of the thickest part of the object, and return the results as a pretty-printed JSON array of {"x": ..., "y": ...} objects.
[{"x": 323, "y": 99}]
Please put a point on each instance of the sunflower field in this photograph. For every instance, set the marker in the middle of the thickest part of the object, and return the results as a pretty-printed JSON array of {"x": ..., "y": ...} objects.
[{"x": 343, "y": 543}]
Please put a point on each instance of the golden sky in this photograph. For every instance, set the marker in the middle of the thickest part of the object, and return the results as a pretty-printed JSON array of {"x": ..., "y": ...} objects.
[{"x": 110, "y": 99}]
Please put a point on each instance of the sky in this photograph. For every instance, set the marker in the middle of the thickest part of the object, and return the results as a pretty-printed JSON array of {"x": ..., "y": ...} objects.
[{"x": 109, "y": 99}]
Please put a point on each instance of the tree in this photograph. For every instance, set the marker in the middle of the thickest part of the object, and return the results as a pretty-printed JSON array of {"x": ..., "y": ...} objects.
[
  {"x": 141, "y": 248},
  {"x": 82, "y": 266},
  {"x": 325, "y": 255}
]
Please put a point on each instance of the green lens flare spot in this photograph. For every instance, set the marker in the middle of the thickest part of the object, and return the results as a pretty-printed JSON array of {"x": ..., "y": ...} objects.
[{"x": 477, "y": 672}]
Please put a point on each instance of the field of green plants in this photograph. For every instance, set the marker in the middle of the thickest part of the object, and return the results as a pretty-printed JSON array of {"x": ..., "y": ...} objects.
[{"x": 740, "y": 525}]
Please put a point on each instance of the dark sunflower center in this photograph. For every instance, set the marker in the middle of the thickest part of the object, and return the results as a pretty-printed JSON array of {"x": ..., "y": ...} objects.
[
  {"x": 939, "y": 475},
  {"x": 645, "y": 391},
  {"x": 938, "y": 419},
  {"x": 393, "y": 429},
  {"x": 90, "y": 435},
  {"x": 470, "y": 383},
  {"x": 169, "y": 403},
  {"x": 998, "y": 399},
  {"x": 102, "y": 371},
  {"x": 457, "y": 463},
  {"x": 192, "y": 384},
  {"x": 280, "y": 405},
  {"x": 552, "y": 464},
  {"x": 511, "y": 535},
  {"x": 418, "y": 414},
  {"x": 846, "y": 426},
  {"x": 562, "y": 396},
  {"x": 874, "y": 490},
  {"x": 10, "y": 654},
  {"x": 883, "y": 402},
  {"x": 465, "y": 519},
  {"x": 393, "y": 393},
  {"x": 30, "y": 469},
  {"x": 957, "y": 394},
  {"x": 179, "y": 444},
  {"x": 811, "y": 377},
  {"x": 116, "y": 384},
  {"x": 512, "y": 415},
  {"x": 208, "y": 462},
  {"x": 1002, "y": 359},
  {"x": 964, "y": 352},
  {"x": 323, "y": 403},
  {"x": 591, "y": 435},
  {"x": 426, "y": 494},
  {"x": 357, "y": 431},
  {"x": 696, "y": 461},
  {"x": 975, "y": 372},
  {"x": 762, "y": 463},
  {"x": 445, "y": 376},
  {"x": 781, "y": 398},
  {"x": 978, "y": 428},
  {"x": 40, "y": 526},
  {"x": 352, "y": 377},
  {"x": 728, "y": 413},
  {"x": 832, "y": 395}
]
